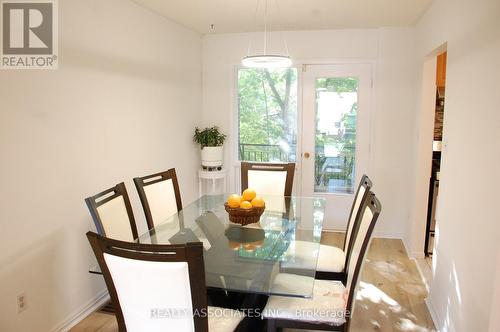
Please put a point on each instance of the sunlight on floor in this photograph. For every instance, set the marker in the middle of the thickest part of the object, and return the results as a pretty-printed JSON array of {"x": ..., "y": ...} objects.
[
  {"x": 391, "y": 292},
  {"x": 375, "y": 295},
  {"x": 408, "y": 325}
]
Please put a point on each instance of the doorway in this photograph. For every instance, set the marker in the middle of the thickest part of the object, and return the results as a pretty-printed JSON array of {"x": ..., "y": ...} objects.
[
  {"x": 335, "y": 135},
  {"x": 436, "y": 154}
]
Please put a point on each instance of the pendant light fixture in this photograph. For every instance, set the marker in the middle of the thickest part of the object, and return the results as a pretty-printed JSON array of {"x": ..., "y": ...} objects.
[{"x": 264, "y": 59}]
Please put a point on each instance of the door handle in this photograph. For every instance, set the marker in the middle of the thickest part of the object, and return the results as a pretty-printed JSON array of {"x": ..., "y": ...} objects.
[{"x": 306, "y": 155}]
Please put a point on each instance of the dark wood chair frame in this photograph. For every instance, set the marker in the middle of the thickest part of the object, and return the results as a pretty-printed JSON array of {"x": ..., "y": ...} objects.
[
  {"x": 192, "y": 253},
  {"x": 104, "y": 197},
  {"x": 342, "y": 276},
  {"x": 374, "y": 205},
  {"x": 141, "y": 182},
  {"x": 288, "y": 167}
]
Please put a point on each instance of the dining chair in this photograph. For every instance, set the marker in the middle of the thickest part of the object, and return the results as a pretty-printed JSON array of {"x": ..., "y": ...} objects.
[
  {"x": 331, "y": 261},
  {"x": 267, "y": 178},
  {"x": 332, "y": 303},
  {"x": 159, "y": 287},
  {"x": 160, "y": 196},
  {"x": 273, "y": 181},
  {"x": 112, "y": 213}
]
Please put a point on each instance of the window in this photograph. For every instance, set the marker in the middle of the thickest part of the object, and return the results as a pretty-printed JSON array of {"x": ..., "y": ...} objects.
[
  {"x": 267, "y": 110},
  {"x": 336, "y": 112}
]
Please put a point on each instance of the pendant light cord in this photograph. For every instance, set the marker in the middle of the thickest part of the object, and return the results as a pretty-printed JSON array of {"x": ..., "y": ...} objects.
[
  {"x": 282, "y": 27},
  {"x": 278, "y": 9},
  {"x": 255, "y": 24},
  {"x": 265, "y": 29}
]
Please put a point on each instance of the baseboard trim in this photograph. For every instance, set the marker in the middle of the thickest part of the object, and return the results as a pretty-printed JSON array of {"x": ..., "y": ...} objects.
[
  {"x": 388, "y": 235},
  {"x": 422, "y": 275},
  {"x": 434, "y": 315},
  {"x": 427, "y": 300},
  {"x": 412, "y": 254},
  {"x": 83, "y": 312}
]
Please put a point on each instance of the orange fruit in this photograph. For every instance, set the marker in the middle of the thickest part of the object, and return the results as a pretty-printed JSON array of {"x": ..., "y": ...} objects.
[
  {"x": 258, "y": 202},
  {"x": 249, "y": 247},
  {"x": 234, "y": 200},
  {"x": 259, "y": 243},
  {"x": 249, "y": 194},
  {"x": 234, "y": 245},
  {"x": 245, "y": 205}
]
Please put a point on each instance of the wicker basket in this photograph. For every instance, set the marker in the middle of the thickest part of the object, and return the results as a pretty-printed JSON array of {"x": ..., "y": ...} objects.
[{"x": 244, "y": 216}]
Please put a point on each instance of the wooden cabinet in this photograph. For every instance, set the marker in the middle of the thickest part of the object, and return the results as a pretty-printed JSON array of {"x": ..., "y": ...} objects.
[{"x": 441, "y": 70}]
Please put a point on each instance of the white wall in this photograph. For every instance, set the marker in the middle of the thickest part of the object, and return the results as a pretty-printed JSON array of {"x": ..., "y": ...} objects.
[
  {"x": 494, "y": 316},
  {"x": 123, "y": 103},
  {"x": 391, "y": 50},
  {"x": 466, "y": 253}
]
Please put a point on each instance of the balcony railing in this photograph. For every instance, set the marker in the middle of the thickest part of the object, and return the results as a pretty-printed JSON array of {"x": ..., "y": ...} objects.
[
  {"x": 332, "y": 174},
  {"x": 266, "y": 153}
]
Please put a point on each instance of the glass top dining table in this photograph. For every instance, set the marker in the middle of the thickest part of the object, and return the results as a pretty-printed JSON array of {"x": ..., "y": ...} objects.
[{"x": 248, "y": 258}]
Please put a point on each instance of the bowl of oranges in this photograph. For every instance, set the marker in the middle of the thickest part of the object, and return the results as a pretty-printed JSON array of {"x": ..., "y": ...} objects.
[{"x": 245, "y": 209}]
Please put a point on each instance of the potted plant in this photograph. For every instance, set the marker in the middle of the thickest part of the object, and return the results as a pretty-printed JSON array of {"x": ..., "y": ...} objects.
[{"x": 211, "y": 141}]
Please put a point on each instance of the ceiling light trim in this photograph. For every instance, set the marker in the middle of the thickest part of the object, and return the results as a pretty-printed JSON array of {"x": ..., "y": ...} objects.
[{"x": 266, "y": 60}]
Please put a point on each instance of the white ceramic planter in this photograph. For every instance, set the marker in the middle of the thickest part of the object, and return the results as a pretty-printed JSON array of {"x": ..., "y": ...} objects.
[{"x": 212, "y": 156}]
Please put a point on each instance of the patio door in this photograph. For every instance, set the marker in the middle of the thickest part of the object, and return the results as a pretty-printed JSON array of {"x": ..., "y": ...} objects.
[{"x": 335, "y": 135}]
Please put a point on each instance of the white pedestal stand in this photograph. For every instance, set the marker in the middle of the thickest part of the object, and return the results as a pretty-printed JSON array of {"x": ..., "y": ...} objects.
[{"x": 213, "y": 176}]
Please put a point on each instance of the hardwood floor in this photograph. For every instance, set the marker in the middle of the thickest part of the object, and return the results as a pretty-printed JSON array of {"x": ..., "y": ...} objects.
[
  {"x": 391, "y": 293},
  {"x": 97, "y": 321},
  {"x": 390, "y": 297}
]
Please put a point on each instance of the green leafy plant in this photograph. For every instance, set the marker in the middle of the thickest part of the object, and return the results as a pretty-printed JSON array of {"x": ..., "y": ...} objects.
[
  {"x": 319, "y": 164},
  {"x": 210, "y": 136}
]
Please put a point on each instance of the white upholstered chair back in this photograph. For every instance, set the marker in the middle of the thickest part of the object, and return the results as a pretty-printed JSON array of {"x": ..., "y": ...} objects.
[
  {"x": 154, "y": 288},
  {"x": 112, "y": 213},
  {"x": 272, "y": 186},
  {"x": 275, "y": 181},
  {"x": 368, "y": 217},
  {"x": 151, "y": 293},
  {"x": 160, "y": 196},
  {"x": 268, "y": 179},
  {"x": 161, "y": 200},
  {"x": 115, "y": 221},
  {"x": 267, "y": 182},
  {"x": 364, "y": 187}
]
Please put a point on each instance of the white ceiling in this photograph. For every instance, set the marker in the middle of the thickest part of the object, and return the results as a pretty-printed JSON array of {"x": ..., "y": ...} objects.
[{"x": 239, "y": 15}]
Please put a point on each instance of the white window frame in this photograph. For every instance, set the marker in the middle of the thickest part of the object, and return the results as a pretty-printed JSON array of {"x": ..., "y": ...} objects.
[{"x": 235, "y": 163}]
